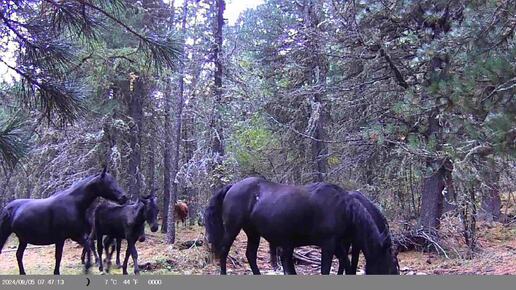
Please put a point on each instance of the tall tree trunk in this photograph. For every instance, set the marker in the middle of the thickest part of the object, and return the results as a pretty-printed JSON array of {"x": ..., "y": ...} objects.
[
  {"x": 166, "y": 158},
  {"x": 318, "y": 68},
  {"x": 189, "y": 135},
  {"x": 151, "y": 177},
  {"x": 171, "y": 233},
  {"x": 432, "y": 201},
  {"x": 135, "y": 91},
  {"x": 433, "y": 185},
  {"x": 189, "y": 148},
  {"x": 216, "y": 126},
  {"x": 167, "y": 148}
]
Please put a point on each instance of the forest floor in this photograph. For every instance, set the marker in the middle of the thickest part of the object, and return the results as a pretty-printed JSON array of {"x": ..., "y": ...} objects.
[{"x": 496, "y": 256}]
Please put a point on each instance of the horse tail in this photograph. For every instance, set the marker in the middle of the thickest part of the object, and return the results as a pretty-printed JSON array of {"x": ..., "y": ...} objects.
[
  {"x": 213, "y": 219},
  {"x": 5, "y": 227}
]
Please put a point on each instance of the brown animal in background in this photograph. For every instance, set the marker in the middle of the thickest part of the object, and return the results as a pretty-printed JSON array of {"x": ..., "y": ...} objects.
[{"x": 181, "y": 211}]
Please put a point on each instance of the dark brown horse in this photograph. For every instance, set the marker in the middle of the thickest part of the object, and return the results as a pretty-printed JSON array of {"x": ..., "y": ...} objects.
[
  {"x": 59, "y": 217},
  {"x": 291, "y": 216}
]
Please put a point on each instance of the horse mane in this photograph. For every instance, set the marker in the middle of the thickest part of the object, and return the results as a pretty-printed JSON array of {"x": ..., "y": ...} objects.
[
  {"x": 364, "y": 225},
  {"x": 375, "y": 213},
  {"x": 75, "y": 185}
]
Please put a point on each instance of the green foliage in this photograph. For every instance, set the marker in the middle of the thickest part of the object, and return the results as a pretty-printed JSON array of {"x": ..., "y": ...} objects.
[
  {"x": 13, "y": 144},
  {"x": 251, "y": 143}
]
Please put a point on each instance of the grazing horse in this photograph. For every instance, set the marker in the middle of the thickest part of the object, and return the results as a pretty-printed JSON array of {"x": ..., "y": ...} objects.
[
  {"x": 54, "y": 219},
  {"x": 125, "y": 222},
  {"x": 291, "y": 216},
  {"x": 357, "y": 246},
  {"x": 343, "y": 250},
  {"x": 181, "y": 211}
]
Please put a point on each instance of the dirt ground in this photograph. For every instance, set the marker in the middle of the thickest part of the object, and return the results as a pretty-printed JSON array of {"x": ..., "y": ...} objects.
[{"x": 496, "y": 256}]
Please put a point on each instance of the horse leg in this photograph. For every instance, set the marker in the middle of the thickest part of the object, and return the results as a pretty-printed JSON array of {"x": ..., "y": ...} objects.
[
  {"x": 355, "y": 252},
  {"x": 83, "y": 255},
  {"x": 253, "y": 242},
  {"x": 86, "y": 253},
  {"x": 229, "y": 238},
  {"x": 274, "y": 256},
  {"x": 327, "y": 252},
  {"x": 118, "y": 248},
  {"x": 92, "y": 248},
  {"x": 109, "y": 252},
  {"x": 287, "y": 261},
  {"x": 19, "y": 256},
  {"x": 134, "y": 254},
  {"x": 59, "y": 255},
  {"x": 126, "y": 260},
  {"x": 342, "y": 255},
  {"x": 99, "y": 251}
]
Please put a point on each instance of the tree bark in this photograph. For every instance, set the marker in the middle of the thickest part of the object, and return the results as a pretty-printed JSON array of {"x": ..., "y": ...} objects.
[
  {"x": 432, "y": 201},
  {"x": 318, "y": 68},
  {"x": 167, "y": 148},
  {"x": 166, "y": 159},
  {"x": 171, "y": 233},
  {"x": 151, "y": 177},
  {"x": 216, "y": 126},
  {"x": 134, "y": 92}
]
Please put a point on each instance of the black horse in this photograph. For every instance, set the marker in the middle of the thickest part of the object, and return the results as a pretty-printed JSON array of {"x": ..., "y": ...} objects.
[
  {"x": 54, "y": 219},
  {"x": 381, "y": 224},
  {"x": 90, "y": 219},
  {"x": 343, "y": 250},
  {"x": 290, "y": 216},
  {"x": 125, "y": 222},
  {"x": 110, "y": 244}
]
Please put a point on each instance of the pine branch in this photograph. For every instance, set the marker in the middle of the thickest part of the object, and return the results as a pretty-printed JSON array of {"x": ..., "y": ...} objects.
[{"x": 12, "y": 140}]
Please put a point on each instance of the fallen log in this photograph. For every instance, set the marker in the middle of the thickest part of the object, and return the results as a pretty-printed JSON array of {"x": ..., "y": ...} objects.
[{"x": 190, "y": 244}]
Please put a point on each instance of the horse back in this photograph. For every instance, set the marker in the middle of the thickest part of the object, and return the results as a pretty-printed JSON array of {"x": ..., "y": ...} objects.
[
  {"x": 45, "y": 221},
  {"x": 116, "y": 220},
  {"x": 288, "y": 214}
]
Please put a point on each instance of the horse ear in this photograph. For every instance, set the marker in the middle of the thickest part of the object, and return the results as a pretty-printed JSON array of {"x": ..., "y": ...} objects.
[{"x": 104, "y": 171}]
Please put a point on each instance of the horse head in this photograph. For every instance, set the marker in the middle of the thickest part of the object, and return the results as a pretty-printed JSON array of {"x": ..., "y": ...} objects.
[
  {"x": 385, "y": 260},
  {"x": 107, "y": 187},
  {"x": 151, "y": 210}
]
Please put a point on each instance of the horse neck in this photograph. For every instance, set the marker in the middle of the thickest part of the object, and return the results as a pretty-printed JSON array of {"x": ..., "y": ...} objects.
[
  {"x": 84, "y": 195},
  {"x": 139, "y": 209},
  {"x": 368, "y": 233}
]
